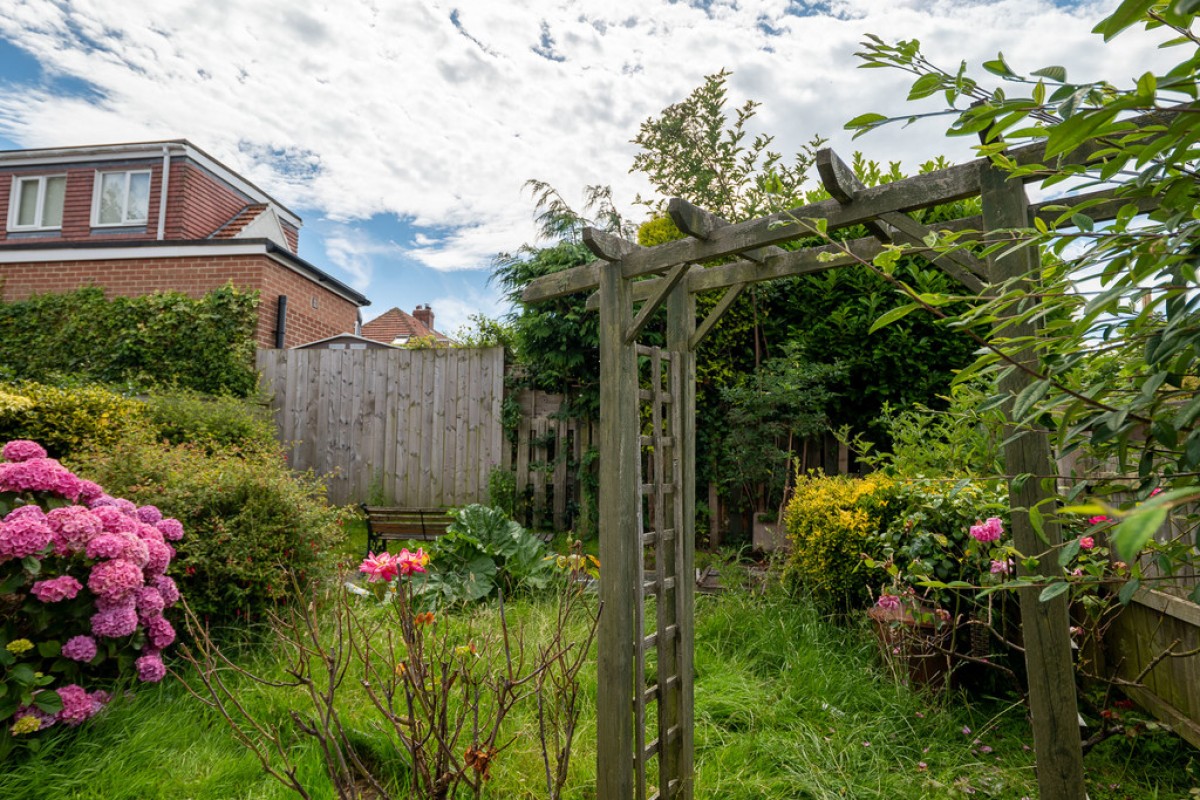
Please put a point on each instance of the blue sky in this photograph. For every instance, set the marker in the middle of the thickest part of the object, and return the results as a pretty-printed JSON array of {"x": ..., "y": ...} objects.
[{"x": 403, "y": 132}]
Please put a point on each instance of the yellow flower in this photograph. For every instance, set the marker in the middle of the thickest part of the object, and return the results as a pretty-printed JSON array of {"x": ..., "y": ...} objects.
[
  {"x": 18, "y": 646},
  {"x": 27, "y": 724}
]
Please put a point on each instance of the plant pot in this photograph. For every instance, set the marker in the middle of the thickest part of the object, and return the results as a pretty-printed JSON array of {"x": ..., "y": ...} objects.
[
  {"x": 769, "y": 536},
  {"x": 919, "y": 650}
]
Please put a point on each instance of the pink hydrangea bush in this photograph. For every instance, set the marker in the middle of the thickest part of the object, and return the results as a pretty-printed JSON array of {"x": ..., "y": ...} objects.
[{"x": 83, "y": 592}]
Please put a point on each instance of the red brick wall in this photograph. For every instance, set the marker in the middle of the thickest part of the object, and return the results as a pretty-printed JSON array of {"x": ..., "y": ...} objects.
[
  {"x": 195, "y": 276},
  {"x": 197, "y": 203}
]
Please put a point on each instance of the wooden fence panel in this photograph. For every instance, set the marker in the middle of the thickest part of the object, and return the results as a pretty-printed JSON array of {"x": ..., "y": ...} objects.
[
  {"x": 545, "y": 460},
  {"x": 404, "y": 427}
]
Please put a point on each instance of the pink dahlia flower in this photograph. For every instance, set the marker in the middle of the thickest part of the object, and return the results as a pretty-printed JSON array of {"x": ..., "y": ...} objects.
[
  {"x": 80, "y": 648},
  {"x": 53, "y": 590},
  {"x": 22, "y": 450}
]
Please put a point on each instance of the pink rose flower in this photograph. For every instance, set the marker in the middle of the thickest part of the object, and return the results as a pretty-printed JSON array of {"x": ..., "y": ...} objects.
[
  {"x": 1000, "y": 567},
  {"x": 1097, "y": 519},
  {"x": 1086, "y": 542},
  {"x": 989, "y": 531}
]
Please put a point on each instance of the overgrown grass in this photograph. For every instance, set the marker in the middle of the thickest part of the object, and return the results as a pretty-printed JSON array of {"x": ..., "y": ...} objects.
[{"x": 787, "y": 706}]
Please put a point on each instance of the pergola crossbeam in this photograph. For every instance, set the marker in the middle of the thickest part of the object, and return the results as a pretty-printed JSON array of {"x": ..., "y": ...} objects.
[
  {"x": 715, "y": 314},
  {"x": 701, "y": 224},
  {"x": 663, "y": 287}
]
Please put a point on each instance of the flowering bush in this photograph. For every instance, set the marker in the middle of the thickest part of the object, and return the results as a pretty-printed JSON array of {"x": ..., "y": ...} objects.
[
  {"x": 832, "y": 522},
  {"x": 83, "y": 590}
]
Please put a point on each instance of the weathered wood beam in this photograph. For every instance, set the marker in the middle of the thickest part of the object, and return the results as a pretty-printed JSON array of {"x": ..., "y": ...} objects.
[
  {"x": 843, "y": 185},
  {"x": 841, "y": 182},
  {"x": 1046, "y": 625},
  {"x": 606, "y": 246},
  {"x": 701, "y": 224},
  {"x": 919, "y": 191},
  {"x": 715, "y": 314},
  {"x": 655, "y": 301}
]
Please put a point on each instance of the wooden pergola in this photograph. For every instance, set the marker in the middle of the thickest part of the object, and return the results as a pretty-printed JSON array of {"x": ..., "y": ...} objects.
[{"x": 647, "y": 478}]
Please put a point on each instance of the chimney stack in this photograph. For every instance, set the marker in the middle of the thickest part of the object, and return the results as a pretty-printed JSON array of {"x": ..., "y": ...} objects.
[{"x": 425, "y": 315}]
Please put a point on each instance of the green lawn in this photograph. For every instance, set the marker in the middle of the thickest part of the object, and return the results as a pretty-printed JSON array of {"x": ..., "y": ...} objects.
[{"x": 787, "y": 706}]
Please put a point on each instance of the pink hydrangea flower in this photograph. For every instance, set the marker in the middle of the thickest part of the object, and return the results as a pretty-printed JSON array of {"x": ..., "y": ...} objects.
[
  {"x": 115, "y": 577},
  {"x": 22, "y": 450},
  {"x": 888, "y": 602},
  {"x": 149, "y": 514},
  {"x": 989, "y": 531},
  {"x": 171, "y": 528},
  {"x": 78, "y": 704},
  {"x": 38, "y": 475},
  {"x": 115, "y": 624},
  {"x": 24, "y": 536},
  {"x": 64, "y": 587},
  {"x": 167, "y": 588},
  {"x": 382, "y": 567},
  {"x": 80, "y": 648},
  {"x": 150, "y": 667},
  {"x": 123, "y": 602},
  {"x": 28, "y": 511},
  {"x": 150, "y": 602},
  {"x": 1086, "y": 542},
  {"x": 88, "y": 491},
  {"x": 114, "y": 521},
  {"x": 106, "y": 545},
  {"x": 149, "y": 533},
  {"x": 73, "y": 527},
  {"x": 159, "y": 558},
  {"x": 159, "y": 632}
]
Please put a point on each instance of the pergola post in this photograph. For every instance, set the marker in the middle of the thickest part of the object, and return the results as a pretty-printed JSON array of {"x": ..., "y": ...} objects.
[
  {"x": 1028, "y": 459},
  {"x": 619, "y": 503},
  {"x": 681, "y": 327}
]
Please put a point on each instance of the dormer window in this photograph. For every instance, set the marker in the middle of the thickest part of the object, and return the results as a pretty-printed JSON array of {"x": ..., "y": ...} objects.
[
  {"x": 37, "y": 203},
  {"x": 121, "y": 199}
]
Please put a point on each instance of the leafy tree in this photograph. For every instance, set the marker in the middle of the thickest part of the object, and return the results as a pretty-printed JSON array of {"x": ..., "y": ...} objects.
[{"x": 1118, "y": 361}]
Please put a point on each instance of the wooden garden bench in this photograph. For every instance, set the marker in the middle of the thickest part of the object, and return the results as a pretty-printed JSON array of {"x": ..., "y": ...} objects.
[{"x": 393, "y": 524}]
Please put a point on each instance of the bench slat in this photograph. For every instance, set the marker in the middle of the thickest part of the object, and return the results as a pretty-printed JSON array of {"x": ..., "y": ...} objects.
[{"x": 389, "y": 523}]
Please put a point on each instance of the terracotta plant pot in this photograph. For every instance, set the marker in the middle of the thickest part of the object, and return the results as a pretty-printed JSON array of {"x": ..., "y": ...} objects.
[{"x": 918, "y": 647}]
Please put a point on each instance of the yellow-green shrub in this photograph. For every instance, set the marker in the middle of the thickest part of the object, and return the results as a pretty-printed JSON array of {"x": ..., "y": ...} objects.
[
  {"x": 66, "y": 420},
  {"x": 832, "y": 521}
]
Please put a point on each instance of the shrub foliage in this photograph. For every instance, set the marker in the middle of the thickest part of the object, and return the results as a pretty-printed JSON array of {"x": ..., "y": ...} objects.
[{"x": 206, "y": 344}]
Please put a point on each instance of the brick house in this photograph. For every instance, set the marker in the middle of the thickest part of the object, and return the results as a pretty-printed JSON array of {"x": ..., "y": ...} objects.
[
  {"x": 399, "y": 327},
  {"x": 155, "y": 216}
]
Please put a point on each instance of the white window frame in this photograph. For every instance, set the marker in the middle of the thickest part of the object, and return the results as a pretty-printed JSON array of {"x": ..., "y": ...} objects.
[
  {"x": 14, "y": 203},
  {"x": 96, "y": 190}
]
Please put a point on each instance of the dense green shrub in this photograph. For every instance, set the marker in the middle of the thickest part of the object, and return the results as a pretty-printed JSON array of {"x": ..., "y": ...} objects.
[
  {"x": 205, "y": 344},
  {"x": 66, "y": 420},
  {"x": 249, "y": 519},
  {"x": 832, "y": 522},
  {"x": 181, "y": 417}
]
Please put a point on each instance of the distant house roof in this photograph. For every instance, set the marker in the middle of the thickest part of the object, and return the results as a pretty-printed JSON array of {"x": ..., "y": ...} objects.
[
  {"x": 399, "y": 327},
  {"x": 344, "y": 341}
]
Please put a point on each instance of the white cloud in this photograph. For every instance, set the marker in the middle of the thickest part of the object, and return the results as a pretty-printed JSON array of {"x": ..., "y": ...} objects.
[
  {"x": 452, "y": 312},
  {"x": 438, "y": 112}
]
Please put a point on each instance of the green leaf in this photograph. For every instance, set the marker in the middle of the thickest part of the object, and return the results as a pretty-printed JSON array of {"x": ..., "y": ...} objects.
[
  {"x": 865, "y": 121},
  {"x": 1183, "y": 7},
  {"x": 1127, "y": 14},
  {"x": 1133, "y": 532},
  {"x": 1128, "y": 590},
  {"x": 1028, "y": 398},
  {"x": 924, "y": 86},
  {"x": 1083, "y": 222},
  {"x": 1146, "y": 86},
  {"x": 48, "y": 702},
  {"x": 1053, "y": 590},
  {"x": 32, "y": 565},
  {"x": 892, "y": 316},
  {"x": 1068, "y": 553},
  {"x": 49, "y": 649},
  {"x": 1053, "y": 73},
  {"x": 1070, "y": 133},
  {"x": 999, "y": 67}
]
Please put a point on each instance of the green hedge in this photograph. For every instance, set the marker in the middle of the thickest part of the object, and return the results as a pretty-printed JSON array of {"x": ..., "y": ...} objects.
[{"x": 204, "y": 344}]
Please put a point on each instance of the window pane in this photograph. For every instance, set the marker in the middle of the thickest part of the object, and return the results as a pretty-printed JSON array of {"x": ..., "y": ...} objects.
[
  {"x": 138, "y": 204},
  {"x": 112, "y": 195},
  {"x": 27, "y": 203},
  {"x": 52, "y": 204}
]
